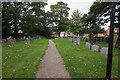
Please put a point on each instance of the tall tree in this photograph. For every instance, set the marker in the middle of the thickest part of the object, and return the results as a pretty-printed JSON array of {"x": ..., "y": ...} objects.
[
  {"x": 75, "y": 22},
  {"x": 60, "y": 14}
]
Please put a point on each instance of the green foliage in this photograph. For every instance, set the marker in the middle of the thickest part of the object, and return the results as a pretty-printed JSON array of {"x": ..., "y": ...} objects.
[
  {"x": 60, "y": 14},
  {"x": 75, "y": 24},
  {"x": 31, "y": 18},
  {"x": 21, "y": 61}
]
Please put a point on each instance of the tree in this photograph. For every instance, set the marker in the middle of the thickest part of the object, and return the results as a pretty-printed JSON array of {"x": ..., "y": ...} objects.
[
  {"x": 60, "y": 14},
  {"x": 75, "y": 24},
  {"x": 102, "y": 10}
]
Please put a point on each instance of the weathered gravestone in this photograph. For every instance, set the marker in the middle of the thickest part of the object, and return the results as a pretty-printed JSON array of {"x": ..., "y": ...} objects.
[
  {"x": 28, "y": 40},
  {"x": 70, "y": 39},
  {"x": 10, "y": 41},
  {"x": 88, "y": 45},
  {"x": 104, "y": 51},
  {"x": 95, "y": 48},
  {"x": 78, "y": 41}
]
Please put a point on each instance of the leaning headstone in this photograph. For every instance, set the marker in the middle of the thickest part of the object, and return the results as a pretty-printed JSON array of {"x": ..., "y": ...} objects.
[
  {"x": 10, "y": 41},
  {"x": 78, "y": 41},
  {"x": 88, "y": 45},
  {"x": 95, "y": 48},
  {"x": 28, "y": 40},
  {"x": 104, "y": 51}
]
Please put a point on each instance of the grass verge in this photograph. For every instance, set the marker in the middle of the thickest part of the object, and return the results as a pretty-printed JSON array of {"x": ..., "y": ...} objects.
[
  {"x": 20, "y": 61},
  {"x": 84, "y": 63}
]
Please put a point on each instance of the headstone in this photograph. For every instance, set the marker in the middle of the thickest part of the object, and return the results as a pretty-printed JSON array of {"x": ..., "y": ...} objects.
[
  {"x": 115, "y": 40},
  {"x": 78, "y": 41},
  {"x": 10, "y": 41},
  {"x": 14, "y": 39},
  {"x": 3, "y": 41},
  {"x": 27, "y": 45},
  {"x": 104, "y": 51},
  {"x": 70, "y": 39},
  {"x": 88, "y": 45},
  {"x": 95, "y": 48},
  {"x": 28, "y": 40},
  {"x": 75, "y": 42}
]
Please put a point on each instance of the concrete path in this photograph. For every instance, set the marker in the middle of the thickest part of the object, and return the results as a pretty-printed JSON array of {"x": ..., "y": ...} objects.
[{"x": 52, "y": 65}]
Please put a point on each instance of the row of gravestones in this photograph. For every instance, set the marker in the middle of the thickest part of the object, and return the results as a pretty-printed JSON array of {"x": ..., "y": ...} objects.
[
  {"x": 11, "y": 41},
  {"x": 97, "y": 48},
  {"x": 75, "y": 42},
  {"x": 19, "y": 39}
]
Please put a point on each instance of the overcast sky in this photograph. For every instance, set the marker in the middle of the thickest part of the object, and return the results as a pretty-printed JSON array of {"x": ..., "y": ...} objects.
[{"x": 82, "y": 5}]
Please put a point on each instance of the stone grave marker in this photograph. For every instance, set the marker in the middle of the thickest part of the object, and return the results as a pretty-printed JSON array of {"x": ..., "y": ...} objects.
[
  {"x": 70, "y": 39},
  {"x": 88, "y": 45},
  {"x": 104, "y": 51},
  {"x": 95, "y": 48},
  {"x": 10, "y": 41},
  {"x": 28, "y": 40},
  {"x": 78, "y": 41}
]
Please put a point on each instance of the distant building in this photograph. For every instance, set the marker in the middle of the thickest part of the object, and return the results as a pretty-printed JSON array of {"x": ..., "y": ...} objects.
[{"x": 116, "y": 30}]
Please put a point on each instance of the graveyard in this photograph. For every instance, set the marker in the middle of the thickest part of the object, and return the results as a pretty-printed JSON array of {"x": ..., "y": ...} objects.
[
  {"x": 82, "y": 62},
  {"x": 21, "y": 61},
  {"x": 45, "y": 39}
]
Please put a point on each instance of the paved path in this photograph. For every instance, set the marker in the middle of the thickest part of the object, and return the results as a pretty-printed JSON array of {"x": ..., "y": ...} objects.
[{"x": 52, "y": 64}]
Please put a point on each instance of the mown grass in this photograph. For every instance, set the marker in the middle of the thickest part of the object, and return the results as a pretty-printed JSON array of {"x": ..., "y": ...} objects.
[
  {"x": 20, "y": 61},
  {"x": 84, "y": 63},
  {"x": 105, "y": 44}
]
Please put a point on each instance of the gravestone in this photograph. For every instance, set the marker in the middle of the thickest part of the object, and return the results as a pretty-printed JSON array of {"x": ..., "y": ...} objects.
[
  {"x": 115, "y": 39},
  {"x": 88, "y": 45},
  {"x": 95, "y": 48},
  {"x": 3, "y": 41},
  {"x": 104, "y": 51},
  {"x": 28, "y": 40},
  {"x": 70, "y": 39},
  {"x": 10, "y": 41},
  {"x": 14, "y": 39},
  {"x": 78, "y": 41}
]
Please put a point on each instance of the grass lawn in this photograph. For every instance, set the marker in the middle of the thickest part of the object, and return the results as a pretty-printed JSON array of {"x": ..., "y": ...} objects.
[
  {"x": 20, "y": 61},
  {"x": 84, "y": 63},
  {"x": 104, "y": 44}
]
